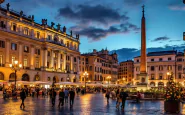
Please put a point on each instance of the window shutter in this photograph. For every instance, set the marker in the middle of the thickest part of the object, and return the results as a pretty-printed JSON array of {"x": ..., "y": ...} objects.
[
  {"x": 15, "y": 46},
  {"x": 3, "y": 44},
  {"x": 38, "y": 51}
]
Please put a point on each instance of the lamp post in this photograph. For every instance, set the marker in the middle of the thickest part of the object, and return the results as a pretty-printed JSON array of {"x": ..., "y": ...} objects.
[
  {"x": 108, "y": 78},
  {"x": 85, "y": 75},
  {"x": 15, "y": 66}
]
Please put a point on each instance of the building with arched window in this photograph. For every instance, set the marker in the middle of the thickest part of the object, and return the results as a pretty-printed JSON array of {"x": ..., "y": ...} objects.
[
  {"x": 160, "y": 66},
  {"x": 42, "y": 49}
]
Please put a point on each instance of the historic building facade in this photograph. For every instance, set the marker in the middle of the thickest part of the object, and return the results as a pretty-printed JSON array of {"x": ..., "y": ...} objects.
[
  {"x": 99, "y": 65},
  {"x": 126, "y": 72},
  {"x": 160, "y": 65},
  {"x": 45, "y": 52}
]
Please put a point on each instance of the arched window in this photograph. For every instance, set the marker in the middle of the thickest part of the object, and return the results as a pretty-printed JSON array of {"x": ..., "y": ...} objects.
[
  {"x": 25, "y": 77},
  {"x": 160, "y": 84},
  {"x": 49, "y": 79},
  {"x": 12, "y": 77},
  {"x": 37, "y": 77},
  {"x": 152, "y": 84},
  {"x": 54, "y": 79}
]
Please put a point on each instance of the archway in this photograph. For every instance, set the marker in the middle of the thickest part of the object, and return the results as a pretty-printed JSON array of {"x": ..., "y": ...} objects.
[
  {"x": 12, "y": 77},
  {"x": 1, "y": 76},
  {"x": 160, "y": 84},
  {"x": 55, "y": 79},
  {"x": 152, "y": 84},
  {"x": 25, "y": 77},
  {"x": 37, "y": 77}
]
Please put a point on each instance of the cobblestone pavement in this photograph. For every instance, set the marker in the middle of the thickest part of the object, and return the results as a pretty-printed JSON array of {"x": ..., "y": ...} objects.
[{"x": 89, "y": 104}]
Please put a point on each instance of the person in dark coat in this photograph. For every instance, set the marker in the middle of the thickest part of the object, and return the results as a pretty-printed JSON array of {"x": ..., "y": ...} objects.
[
  {"x": 61, "y": 97},
  {"x": 72, "y": 96},
  {"x": 22, "y": 96},
  {"x": 123, "y": 96},
  {"x": 53, "y": 96}
]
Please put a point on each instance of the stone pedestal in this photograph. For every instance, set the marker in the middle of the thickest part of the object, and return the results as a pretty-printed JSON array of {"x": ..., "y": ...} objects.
[{"x": 143, "y": 77}]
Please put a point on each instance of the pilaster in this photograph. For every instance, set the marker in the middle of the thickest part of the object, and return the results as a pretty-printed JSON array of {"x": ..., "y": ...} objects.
[
  {"x": 32, "y": 58},
  {"x": 7, "y": 53}
]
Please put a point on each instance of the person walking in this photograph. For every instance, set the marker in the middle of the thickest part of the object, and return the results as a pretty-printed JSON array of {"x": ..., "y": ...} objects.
[
  {"x": 117, "y": 96},
  {"x": 37, "y": 90},
  {"x": 66, "y": 95},
  {"x": 61, "y": 97},
  {"x": 123, "y": 96},
  {"x": 72, "y": 96},
  {"x": 107, "y": 95},
  {"x": 138, "y": 97},
  {"x": 53, "y": 97},
  {"x": 23, "y": 97}
]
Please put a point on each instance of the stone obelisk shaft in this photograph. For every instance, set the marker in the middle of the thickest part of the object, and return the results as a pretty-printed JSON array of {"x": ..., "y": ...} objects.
[{"x": 143, "y": 63}]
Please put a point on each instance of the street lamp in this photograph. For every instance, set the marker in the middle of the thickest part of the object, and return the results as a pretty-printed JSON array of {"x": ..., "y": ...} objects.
[
  {"x": 85, "y": 75},
  {"x": 108, "y": 78},
  {"x": 15, "y": 67}
]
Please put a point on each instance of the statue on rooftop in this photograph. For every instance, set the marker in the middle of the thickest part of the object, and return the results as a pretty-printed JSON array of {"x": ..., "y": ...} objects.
[
  {"x": 21, "y": 13},
  {"x": 71, "y": 33},
  {"x": 44, "y": 21},
  {"x": 64, "y": 29},
  {"x": 8, "y": 6},
  {"x": 32, "y": 17},
  {"x": 58, "y": 26},
  {"x": 52, "y": 24}
]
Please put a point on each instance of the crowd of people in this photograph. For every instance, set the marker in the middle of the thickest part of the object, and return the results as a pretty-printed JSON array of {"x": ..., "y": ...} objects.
[{"x": 66, "y": 95}]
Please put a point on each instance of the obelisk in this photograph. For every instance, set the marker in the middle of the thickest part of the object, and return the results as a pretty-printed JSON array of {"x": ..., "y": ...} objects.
[{"x": 143, "y": 63}]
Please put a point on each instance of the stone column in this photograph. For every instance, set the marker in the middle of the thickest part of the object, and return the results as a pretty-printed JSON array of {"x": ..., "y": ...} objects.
[
  {"x": 20, "y": 29},
  {"x": 32, "y": 66},
  {"x": 8, "y": 23},
  {"x": 64, "y": 61},
  {"x": 7, "y": 52},
  {"x": 52, "y": 60},
  {"x": 78, "y": 64},
  {"x": 20, "y": 52},
  {"x": 59, "y": 60},
  {"x": 42, "y": 58},
  {"x": 45, "y": 57},
  {"x": 71, "y": 63}
]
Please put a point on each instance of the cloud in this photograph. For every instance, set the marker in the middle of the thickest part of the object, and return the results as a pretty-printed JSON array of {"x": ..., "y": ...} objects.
[
  {"x": 177, "y": 5},
  {"x": 96, "y": 34},
  {"x": 164, "y": 38},
  {"x": 134, "y": 2},
  {"x": 129, "y": 53},
  {"x": 98, "y": 14},
  {"x": 97, "y": 22},
  {"x": 175, "y": 40}
]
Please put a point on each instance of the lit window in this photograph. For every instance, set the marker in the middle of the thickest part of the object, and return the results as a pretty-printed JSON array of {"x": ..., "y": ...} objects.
[
  {"x": 26, "y": 31},
  {"x": 25, "y": 62},
  {"x": 13, "y": 59},
  {"x": 37, "y": 63}
]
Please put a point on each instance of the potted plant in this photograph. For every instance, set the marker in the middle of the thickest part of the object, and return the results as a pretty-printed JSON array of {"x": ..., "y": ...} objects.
[{"x": 172, "y": 97}]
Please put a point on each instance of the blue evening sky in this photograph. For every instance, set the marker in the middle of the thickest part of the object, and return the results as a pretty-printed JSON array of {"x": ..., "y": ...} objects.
[{"x": 114, "y": 24}]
